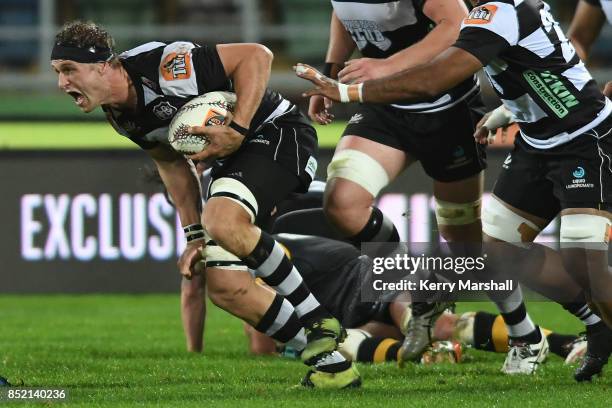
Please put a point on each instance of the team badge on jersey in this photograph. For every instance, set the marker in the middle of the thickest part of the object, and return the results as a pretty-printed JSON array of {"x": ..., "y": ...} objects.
[
  {"x": 481, "y": 15},
  {"x": 164, "y": 110},
  {"x": 176, "y": 66}
]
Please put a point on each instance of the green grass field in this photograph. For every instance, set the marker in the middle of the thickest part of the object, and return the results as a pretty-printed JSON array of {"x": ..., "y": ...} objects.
[
  {"x": 96, "y": 135},
  {"x": 124, "y": 351}
]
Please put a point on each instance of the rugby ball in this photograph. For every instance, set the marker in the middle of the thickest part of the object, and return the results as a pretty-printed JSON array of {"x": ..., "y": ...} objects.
[{"x": 210, "y": 109}]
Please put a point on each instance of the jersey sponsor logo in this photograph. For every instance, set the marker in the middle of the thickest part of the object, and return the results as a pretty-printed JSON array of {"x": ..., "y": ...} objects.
[
  {"x": 260, "y": 139},
  {"x": 164, "y": 110},
  {"x": 579, "y": 172},
  {"x": 579, "y": 180},
  {"x": 507, "y": 161},
  {"x": 311, "y": 167},
  {"x": 214, "y": 118},
  {"x": 364, "y": 32},
  {"x": 552, "y": 91},
  {"x": 176, "y": 66},
  {"x": 356, "y": 118},
  {"x": 481, "y": 15}
]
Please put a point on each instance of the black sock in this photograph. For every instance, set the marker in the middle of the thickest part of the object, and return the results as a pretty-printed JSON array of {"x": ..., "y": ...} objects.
[
  {"x": 581, "y": 310},
  {"x": 559, "y": 343},
  {"x": 379, "y": 228}
]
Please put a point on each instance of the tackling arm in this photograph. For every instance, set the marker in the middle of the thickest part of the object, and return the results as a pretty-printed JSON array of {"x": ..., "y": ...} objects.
[
  {"x": 425, "y": 81},
  {"x": 447, "y": 16}
]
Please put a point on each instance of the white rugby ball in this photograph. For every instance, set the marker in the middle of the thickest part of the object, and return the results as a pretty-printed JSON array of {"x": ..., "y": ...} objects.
[{"x": 210, "y": 109}]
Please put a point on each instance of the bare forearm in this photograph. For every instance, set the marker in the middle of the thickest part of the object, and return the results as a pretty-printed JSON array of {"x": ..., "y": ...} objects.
[
  {"x": 250, "y": 77},
  {"x": 439, "y": 39},
  {"x": 193, "y": 313},
  {"x": 444, "y": 72},
  {"x": 341, "y": 44},
  {"x": 183, "y": 185}
]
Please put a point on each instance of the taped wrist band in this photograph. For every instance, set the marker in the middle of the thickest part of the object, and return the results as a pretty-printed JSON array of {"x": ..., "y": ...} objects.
[
  {"x": 350, "y": 93},
  {"x": 193, "y": 232}
]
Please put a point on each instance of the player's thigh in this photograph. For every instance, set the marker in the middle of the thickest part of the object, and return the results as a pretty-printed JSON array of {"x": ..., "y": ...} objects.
[
  {"x": 523, "y": 202},
  {"x": 255, "y": 182},
  {"x": 449, "y": 154},
  {"x": 368, "y": 156}
]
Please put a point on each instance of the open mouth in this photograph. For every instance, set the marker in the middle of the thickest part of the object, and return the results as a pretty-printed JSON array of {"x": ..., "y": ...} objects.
[{"x": 78, "y": 97}]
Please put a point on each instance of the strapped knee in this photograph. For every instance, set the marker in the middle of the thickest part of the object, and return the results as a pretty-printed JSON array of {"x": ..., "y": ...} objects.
[
  {"x": 501, "y": 223},
  {"x": 236, "y": 191},
  {"x": 457, "y": 213},
  {"x": 359, "y": 168},
  {"x": 580, "y": 229}
]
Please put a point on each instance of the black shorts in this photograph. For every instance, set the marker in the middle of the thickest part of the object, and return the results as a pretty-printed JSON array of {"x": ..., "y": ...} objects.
[
  {"x": 278, "y": 160},
  {"x": 442, "y": 141},
  {"x": 577, "y": 174}
]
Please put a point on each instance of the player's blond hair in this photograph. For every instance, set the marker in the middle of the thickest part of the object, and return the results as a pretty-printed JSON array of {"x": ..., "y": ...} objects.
[{"x": 84, "y": 34}]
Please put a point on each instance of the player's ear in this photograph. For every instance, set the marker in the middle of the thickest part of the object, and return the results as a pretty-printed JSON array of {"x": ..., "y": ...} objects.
[{"x": 103, "y": 67}]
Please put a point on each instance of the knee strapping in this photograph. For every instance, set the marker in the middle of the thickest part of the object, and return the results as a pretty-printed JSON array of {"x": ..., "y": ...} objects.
[
  {"x": 501, "y": 223},
  {"x": 457, "y": 213},
  {"x": 236, "y": 191},
  {"x": 359, "y": 168}
]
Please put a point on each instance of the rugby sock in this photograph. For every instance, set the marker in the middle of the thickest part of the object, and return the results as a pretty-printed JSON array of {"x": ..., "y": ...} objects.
[
  {"x": 378, "y": 350},
  {"x": 379, "y": 228},
  {"x": 519, "y": 324},
  {"x": 282, "y": 324},
  {"x": 581, "y": 310},
  {"x": 273, "y": 266},
  {"x": 490, "y": 334},
  {"x": 560, "y": 343}
]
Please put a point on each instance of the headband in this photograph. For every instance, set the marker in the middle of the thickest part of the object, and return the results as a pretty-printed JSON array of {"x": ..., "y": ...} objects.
[{"x": 77, "y": 54}]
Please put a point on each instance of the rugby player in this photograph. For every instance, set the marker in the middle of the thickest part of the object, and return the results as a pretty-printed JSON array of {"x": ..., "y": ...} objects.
[
  {"x": 380, "y": 141},
  {"x": 560, "y": 162},
  {"x": 334, "y": 271},
  {"x": 586, "y": 25},
  {"x": 140, "y": 90}
]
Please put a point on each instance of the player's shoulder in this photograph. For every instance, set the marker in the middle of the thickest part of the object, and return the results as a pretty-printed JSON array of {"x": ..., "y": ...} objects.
[
  {"x": 143, "y": 51},
  {"x": 506, "y": 18}
]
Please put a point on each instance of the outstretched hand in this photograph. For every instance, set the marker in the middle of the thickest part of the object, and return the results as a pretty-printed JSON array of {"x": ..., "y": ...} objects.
[{"x": 324, "y": 86}]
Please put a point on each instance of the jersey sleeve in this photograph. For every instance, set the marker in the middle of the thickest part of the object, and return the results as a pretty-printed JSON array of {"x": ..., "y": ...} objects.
[
  {"x": 489, "y": 30},
  {"x": 210, "y": 72}
]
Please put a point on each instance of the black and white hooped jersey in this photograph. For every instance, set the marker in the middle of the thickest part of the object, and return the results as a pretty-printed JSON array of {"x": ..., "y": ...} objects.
[
  {"x": 605, "y": 6},
  {"x": 381, "y": 28},
  {"x": 535, "y": 70},
  {"x": 167, "y": 76}
]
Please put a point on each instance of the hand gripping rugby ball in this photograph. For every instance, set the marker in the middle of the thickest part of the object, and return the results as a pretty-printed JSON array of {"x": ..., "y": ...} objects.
[{"x": 210, "y": 109}]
